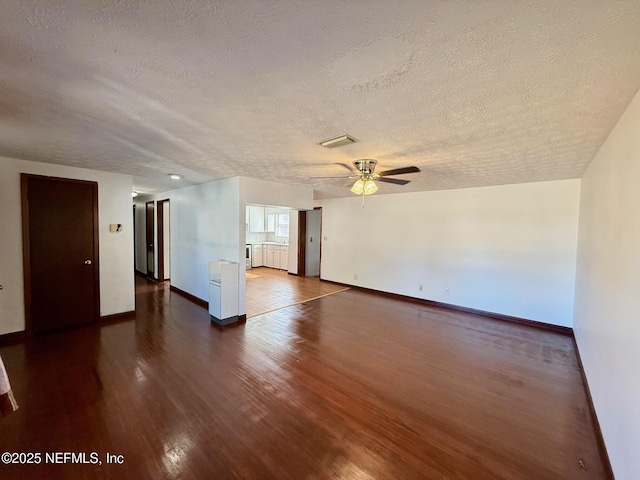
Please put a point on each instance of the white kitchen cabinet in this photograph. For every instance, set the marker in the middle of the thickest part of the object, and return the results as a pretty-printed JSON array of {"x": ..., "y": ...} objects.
[
  {"x": 223, "y": 292},
  {"x": 257, "y": 255},
  {"x": 275, "y": 256},
  {"x": 256, "y": 219},
  {"x": 271, "y": 256},
  {"x": 271, "y": 223}
]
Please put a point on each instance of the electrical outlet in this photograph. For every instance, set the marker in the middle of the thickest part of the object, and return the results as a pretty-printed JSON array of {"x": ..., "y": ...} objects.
[
  {"x": 420, "y": 287},
  {"x": 446, "y": 291}
]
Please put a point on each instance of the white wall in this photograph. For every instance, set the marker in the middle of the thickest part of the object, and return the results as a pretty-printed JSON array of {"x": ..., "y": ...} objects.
[
  {"x": 508, "y": 249},
  {"x": 256, "y": 237},
  {"x": 262, "y": 192},
  {"x": 166, "y": 235},
  {"x": 607, "y": 318},
  {"x": 116, "y": 249},
  {"x": 203, "y": 226}
]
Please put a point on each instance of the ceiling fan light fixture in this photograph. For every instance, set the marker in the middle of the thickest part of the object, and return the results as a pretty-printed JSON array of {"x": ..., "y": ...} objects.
[
  {"x": 370, "y": 187},
  {"x": 358, "y": 187},
  {"x": 345, "y": 139},
  {"x": 364, "y": 187}
]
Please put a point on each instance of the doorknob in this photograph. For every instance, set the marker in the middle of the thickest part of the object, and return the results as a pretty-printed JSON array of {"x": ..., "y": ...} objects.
[{"x": 87, "y": 262}]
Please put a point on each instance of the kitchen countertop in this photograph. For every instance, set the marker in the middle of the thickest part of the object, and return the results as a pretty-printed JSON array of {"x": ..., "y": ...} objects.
[{"x": 269, "y": 243}]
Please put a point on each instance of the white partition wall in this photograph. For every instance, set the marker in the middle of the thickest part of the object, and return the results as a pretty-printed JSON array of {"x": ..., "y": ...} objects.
[{"x": 204, "y": 221}]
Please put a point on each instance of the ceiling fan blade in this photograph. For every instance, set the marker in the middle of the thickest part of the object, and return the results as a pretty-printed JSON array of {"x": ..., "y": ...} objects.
[
  {"x": 351, "y": 169},
  {"x": 333, "y": 177},
  {"x": 395, "y": 181},
  {"x": 399, "y": 171}
]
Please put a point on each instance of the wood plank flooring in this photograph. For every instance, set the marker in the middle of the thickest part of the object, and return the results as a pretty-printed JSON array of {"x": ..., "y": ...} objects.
[
  {"x": 269, "y": 289},
  {"x": 349, "y": 386}
]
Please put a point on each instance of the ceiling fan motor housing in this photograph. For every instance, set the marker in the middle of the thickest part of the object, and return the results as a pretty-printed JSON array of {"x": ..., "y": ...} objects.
[{"x": 365, "y": 166}]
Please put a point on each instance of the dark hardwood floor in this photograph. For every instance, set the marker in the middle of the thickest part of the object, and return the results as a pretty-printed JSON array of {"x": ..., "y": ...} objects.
[{"x": 349, "y": 386}]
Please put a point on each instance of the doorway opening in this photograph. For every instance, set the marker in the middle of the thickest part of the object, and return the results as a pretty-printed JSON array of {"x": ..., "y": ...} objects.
[
  {"x": 313, "y": 242},
  {"x": 283, "y": 249},
  {"x": 164, "y": 241},
  {"x": 135, "y": 239},
  {"x": 151, "y": 263},
  {"x": 309, "y": 242}
]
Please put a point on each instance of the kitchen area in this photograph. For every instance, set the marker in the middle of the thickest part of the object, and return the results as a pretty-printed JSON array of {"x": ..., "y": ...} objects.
[
  {"x": 267, "y": 237},
  {"x": 272, "y": 242}
]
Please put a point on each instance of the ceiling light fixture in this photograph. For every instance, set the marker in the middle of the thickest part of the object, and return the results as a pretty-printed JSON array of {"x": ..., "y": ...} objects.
[
  {"x": 175, "y": 176},
  {"x": 358, "y": 187},
  {"x": 369, "y": 187},
  {"x": 345, "y": 139},
  {"x": 364, "y": 186},
  {"x": 134, "y": 194}
]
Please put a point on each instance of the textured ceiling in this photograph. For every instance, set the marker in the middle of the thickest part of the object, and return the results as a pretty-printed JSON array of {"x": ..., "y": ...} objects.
[{"x": 472, "y": 92}]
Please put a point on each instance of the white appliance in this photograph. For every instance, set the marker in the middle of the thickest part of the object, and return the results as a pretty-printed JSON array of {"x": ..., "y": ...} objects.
[
  {"x": 248, "y": 256},
  {"x": 223, "y": 292}
]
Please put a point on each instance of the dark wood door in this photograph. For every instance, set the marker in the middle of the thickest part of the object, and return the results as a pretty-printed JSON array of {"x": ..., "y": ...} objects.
[
  {"x": 60, "y": 225},
  {"x": 302, "y": 242},
  {"x": 149, "y": 228}
]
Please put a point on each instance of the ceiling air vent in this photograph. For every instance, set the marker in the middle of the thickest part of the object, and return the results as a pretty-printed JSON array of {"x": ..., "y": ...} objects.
[{"x": 345, "y": 139}]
